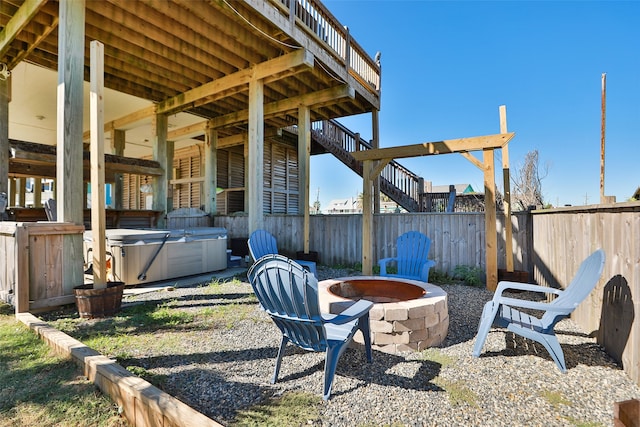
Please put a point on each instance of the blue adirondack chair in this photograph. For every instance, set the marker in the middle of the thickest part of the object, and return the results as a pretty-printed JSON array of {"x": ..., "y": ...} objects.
[
  {"x": 500, "y": 311},
  {"x": 411, "y": 260},
  {"x": 262, "y": 243},
  {"x": 289, "y": 294}
]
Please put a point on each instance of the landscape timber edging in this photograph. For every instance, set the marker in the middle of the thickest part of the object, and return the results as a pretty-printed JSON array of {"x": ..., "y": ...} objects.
[{"x": 141, "y": 403}]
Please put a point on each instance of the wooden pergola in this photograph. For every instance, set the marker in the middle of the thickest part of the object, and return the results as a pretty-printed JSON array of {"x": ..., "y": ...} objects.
[{"x": 375, "y": 160}]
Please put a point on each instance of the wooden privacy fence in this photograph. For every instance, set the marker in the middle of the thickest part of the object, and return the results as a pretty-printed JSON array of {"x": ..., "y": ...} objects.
[
  {"x": 456, "y": 238},
  {"x": 562, "y": 238}
]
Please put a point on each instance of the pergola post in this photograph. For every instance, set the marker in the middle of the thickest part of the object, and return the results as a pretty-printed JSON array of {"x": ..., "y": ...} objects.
[
  {"x": 490, "y": 230},
  {"x": 506, "y": 184},
  {"x": 367, "y": 217},
  {"x": 255, "y": 188},
  {"x": 375, "y": 143}
]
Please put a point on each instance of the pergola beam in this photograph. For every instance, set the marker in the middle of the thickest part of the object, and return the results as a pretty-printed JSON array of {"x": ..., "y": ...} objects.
[{"x": 439, "y": 147}]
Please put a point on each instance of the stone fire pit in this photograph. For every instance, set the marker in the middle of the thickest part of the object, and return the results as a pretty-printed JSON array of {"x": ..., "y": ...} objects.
[{"x": 407, "y": 315}]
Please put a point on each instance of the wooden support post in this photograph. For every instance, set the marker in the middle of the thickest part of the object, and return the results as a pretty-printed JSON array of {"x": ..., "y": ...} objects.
[
  {"x": 22, "y": 188},
  {"x": 160, "y": 126},
  {"x": 37, "y": 192},
  {"x": 367, "y": 218},
  {"x": 70, "y": 194},
  {"x": 506, "y": 183},
  {"x": 22, "y": 265},
  {"x": 375, "y": 143},
  {"x": 491, "y": 237},
  {"x": 98, "y": 223},
  {"x": 4, "y": 134},
  {"x": 169, "y": 174},
  {"x": 255, "y": 188},
  {"x": 211, "y": 171},
  {"x": 304, "y": 156},
  {"x": 118, "y": 137}
]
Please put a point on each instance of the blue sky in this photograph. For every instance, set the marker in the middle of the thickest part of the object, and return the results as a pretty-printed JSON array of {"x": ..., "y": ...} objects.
[{"x": 448, "y": 66}]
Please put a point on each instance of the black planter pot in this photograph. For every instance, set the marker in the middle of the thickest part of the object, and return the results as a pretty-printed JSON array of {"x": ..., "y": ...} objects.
[{"x": 94, "y": 303}]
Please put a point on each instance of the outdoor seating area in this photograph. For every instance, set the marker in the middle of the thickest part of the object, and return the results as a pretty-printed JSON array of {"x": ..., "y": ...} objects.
[
  {"x": 223, "y": 370},
  {"x": 164, "y": 148}
]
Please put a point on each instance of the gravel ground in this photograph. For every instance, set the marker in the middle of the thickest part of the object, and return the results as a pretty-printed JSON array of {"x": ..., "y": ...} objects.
[{"x": 221, "y": 370}]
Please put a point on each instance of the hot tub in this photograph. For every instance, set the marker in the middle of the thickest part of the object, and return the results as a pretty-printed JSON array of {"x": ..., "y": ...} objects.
[{"x": 141, "y": 256}]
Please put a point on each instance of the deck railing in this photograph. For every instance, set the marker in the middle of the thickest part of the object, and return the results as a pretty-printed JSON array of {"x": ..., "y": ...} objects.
[
  {"x": 317, "y": 19},
  {"x": 394, "y": 173}
]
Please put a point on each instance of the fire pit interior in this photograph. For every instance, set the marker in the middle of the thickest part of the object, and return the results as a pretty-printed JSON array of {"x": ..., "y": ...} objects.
[
  {"x": 376, "y": 290},
  {"x": 407, "y": 315}
]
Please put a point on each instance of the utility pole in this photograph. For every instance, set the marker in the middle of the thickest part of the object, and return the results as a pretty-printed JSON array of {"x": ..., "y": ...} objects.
[{"x": 602, "y": 133}]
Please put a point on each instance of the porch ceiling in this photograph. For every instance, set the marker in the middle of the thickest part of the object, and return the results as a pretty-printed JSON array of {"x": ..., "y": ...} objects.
[{"x": 159, "y": 50}]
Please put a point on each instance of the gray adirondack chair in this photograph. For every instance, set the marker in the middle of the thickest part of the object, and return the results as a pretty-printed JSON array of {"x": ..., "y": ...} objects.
[
  {"x": 500, "y": 311},
  {"x": 411, "y": 260},
  {"x": 289, "y": 294},
  {"x": 262, "y": 243}
]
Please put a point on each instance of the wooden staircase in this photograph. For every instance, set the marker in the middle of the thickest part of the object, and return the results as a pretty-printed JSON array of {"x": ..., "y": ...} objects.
[{"x": 399, "y": 183}]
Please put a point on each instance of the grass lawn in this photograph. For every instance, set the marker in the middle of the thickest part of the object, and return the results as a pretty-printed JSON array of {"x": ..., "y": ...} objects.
[{"x": 39, "y": 388}]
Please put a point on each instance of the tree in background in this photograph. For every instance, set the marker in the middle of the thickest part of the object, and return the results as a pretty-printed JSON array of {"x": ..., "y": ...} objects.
[{"x": 527, "y": 183}]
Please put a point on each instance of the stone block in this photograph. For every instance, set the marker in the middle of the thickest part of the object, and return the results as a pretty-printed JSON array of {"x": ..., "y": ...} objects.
[
  {"x": 431, "y": 320},
  {"x": 408, "y": 325},
  {"x": 394, "y": 338},
  {"x": 381, "y": 326},
  {"x": 376, "y": 312},
  {"x": 395, "y": 312},
  {"x": 418, "y": 335}
]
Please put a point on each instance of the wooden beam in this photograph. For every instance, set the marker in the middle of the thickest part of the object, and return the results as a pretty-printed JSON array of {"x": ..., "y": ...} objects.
[
  {"x": 34, "y": 44},
  {"x": 288, "y": 105},
  {"x": 18, "y": 21},
  {"x": 280, "y": 67},
  {"x": 439, "y": 147},
  {"x": 477, "y": 163},
  {"x": 196, "y": 129},
  {"x": 127, "y": 121},
  {"x": 98, "y": 216}
]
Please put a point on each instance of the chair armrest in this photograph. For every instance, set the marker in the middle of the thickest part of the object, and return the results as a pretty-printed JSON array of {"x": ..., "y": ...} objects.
[
  {"x": 505, "y": 285},
  {"x": 355, "y": 311},
  {"x": 424, "y": 272},
  {"x": 383, "y": 265},
  {"x": 535, "y": 305}
]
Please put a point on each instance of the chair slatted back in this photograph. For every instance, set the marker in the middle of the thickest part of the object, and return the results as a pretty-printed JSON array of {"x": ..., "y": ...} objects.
[
  {"x": 584, "y": 281},
  {"x": 289, "y": 294},
  {"x": 412, "y": 249},
  {"x": 262, "y": 243}
]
